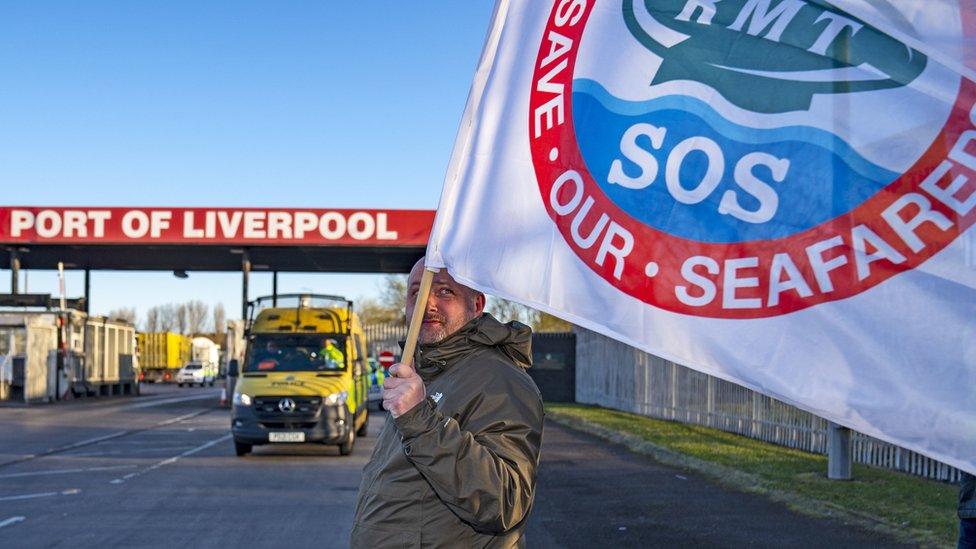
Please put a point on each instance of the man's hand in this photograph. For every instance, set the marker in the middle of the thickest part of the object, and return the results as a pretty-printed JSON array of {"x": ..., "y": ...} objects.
[{"x": 403, "y": 391}]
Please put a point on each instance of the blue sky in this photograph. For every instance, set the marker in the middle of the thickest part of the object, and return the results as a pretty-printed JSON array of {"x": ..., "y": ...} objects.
[{"x": 288, "y": 104}]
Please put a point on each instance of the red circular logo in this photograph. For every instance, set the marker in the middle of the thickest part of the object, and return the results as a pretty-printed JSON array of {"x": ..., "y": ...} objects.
[{"x": 692, "y": 253}]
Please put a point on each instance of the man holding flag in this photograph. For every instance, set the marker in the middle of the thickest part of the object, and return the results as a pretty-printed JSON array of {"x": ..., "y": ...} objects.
[
  {"x": 455, "y": 464},
  {"x": 779, "y": 194}
]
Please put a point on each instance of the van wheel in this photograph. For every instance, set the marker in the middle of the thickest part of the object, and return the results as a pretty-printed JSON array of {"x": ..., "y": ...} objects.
[
  {"x": 365, "y": 428},
  {"x": 241, "y": 448},
  {"x": 346, "y": 447},
  {"x": 180, "y": 384}
]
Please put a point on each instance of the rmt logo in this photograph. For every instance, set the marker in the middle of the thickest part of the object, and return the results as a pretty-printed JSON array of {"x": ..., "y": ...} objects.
[{"x": 740, "y": 47}]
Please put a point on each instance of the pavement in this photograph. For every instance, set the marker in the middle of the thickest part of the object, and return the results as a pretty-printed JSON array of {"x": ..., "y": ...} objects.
[
  {"x": 592, "y": 493},
  {"x": 160, "y": 471}
]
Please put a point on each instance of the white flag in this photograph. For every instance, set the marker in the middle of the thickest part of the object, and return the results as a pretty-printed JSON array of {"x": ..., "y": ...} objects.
[{"x": 780, "y": 194}]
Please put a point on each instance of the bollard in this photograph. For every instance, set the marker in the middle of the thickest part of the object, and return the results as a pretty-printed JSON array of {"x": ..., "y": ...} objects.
[{"x": 840, "y": 452}]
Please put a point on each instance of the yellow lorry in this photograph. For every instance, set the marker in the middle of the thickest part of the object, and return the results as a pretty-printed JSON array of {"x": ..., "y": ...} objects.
[
  {"x": 161, "y": 355},
  {"x": 304, "y": 376}
]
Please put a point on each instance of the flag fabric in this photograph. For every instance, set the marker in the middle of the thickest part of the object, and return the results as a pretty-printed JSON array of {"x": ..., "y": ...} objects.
[{"x": 777, "y": 193}]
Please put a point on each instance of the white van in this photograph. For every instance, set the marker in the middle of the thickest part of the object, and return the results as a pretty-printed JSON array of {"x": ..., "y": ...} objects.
[{"x": 196, "y": 372}]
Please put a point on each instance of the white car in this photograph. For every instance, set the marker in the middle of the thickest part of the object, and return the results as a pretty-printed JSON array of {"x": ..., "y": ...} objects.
[{"x": 195, "y": 372}]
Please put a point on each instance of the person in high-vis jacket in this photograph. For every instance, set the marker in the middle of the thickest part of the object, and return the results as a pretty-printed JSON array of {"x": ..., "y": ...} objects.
[
  {"x": 455, "y": 464},
  {"x": 331, "y": 355}
]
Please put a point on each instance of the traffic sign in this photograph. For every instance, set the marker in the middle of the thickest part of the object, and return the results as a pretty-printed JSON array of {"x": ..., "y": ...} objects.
[{"x": 386, "y": 359}]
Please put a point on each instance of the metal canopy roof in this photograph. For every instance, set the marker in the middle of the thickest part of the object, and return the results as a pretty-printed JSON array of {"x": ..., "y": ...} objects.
[
  {"x": 197, "y": 257},
  {"x": 213, "y": 239}
]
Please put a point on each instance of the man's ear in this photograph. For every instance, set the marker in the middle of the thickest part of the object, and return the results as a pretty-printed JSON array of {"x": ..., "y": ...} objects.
[{"x": 479, "y": 302}]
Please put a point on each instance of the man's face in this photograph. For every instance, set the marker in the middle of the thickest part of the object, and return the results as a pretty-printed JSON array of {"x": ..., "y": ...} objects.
[{"x": 449, "y": 307}]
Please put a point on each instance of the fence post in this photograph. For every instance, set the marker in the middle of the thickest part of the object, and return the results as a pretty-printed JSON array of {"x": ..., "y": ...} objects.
[
  {"x": 710, "y": 401},
  {"x": 754, "y": 425},
  {"x": 674, "y": 391},
  {"x": 840, "y": 452}
]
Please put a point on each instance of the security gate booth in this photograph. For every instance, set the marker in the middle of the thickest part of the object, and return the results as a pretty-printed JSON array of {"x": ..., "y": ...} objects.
[{"x": 91, "y": 356}]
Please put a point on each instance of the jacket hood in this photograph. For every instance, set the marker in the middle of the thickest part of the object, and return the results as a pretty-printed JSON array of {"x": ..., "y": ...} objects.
[{"x": 514, "y": 339}]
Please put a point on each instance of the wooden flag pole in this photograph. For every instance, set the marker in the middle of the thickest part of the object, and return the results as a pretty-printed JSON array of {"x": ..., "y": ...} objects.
[{"x": 418, "y": 316}]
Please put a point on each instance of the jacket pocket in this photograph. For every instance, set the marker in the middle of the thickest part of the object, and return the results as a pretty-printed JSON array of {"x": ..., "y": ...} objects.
[{"x": 370, "y": 537}]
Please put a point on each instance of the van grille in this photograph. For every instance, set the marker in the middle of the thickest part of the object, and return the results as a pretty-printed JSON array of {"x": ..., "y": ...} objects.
[{"x": 304, "y": 416}]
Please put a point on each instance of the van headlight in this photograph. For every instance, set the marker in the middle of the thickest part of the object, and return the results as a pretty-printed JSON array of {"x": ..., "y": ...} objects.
[
  {"x": 242, "y": 399},
  {"x": 337, "y": 398}
]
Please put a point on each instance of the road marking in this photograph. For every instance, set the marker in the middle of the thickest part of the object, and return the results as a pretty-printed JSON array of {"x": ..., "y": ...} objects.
[
  {"x": 87, "y": 442},
  {"x": 71, "y": 492},
  {"x": 103, "y": 438},
  {"x": 11, "y": 520},
  {"x": 171, "y": 460},
  {"x": 66, "y": 471},
  {"x": 123, "y": 433},
  {"x": 166, "y": 401},
  {"x": 90, "y": 408},
  {"x": 133, "y": 452}
]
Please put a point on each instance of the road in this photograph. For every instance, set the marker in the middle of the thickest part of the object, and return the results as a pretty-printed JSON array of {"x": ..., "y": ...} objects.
[{"x": 160, "y": 471}]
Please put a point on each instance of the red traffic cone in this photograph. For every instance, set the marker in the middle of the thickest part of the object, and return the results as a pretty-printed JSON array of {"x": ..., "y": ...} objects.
[{"x": 223, "y": 397}]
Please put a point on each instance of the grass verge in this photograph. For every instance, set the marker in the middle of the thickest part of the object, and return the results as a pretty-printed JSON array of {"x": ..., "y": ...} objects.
[{"x": 906, "y": 507}]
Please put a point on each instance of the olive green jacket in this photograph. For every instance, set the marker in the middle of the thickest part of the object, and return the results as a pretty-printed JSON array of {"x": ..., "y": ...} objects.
[{"x": 458, "y": 469}]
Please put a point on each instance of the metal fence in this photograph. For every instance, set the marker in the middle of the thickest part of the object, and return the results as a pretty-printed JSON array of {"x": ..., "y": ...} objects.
[
  {"x": 384, "y": 337},
  {"x": 615, "y": 375}
]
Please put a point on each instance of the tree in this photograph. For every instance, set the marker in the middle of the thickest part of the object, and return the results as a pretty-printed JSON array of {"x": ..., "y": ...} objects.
[
  {"x": 372, "y": 311},
  {"x": 393, "y": 293},
  {"x": 167, "y": 317},
  {"x": 391, "y": 304},
  {"x": 191, "y": 318},
  {"x": 196, "y": 316},
  {"x": 161, "y": 318},
  {"x": 127, "y": 314},
  {"x": 548, "y": 323},
  {"x": 153, "y": 322},
  {"x": 219, "y": 318},
  {"x": 505, "y": 310}
]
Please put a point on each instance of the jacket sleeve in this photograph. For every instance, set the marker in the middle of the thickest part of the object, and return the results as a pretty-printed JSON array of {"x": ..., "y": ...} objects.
[{"x": 485, "y": 472}]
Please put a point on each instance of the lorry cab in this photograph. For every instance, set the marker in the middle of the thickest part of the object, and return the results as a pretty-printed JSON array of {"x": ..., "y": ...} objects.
[{"x": 303, "y": 378}]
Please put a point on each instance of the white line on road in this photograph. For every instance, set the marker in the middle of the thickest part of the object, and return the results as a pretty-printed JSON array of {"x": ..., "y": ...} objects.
[
  {"x": 170, "y": 460},
  {"x": 132, "y": 452},
  {"x": 167, "y": 401},
  {"x": 122, "y": 433},
  {"x": 11, "y": 520},
  {"x": 66, "y": 471},
  {"x": 41, "y": 495},
  {"x": 86, "y": 442},
  {"x": 103, "y": 438}
]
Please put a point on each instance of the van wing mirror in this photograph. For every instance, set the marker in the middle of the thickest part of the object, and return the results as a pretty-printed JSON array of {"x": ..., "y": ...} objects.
[{"x": 232, "y": 368}]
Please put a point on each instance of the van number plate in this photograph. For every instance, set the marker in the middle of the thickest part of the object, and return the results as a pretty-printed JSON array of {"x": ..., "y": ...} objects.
[{"x": 286, "y": 437}]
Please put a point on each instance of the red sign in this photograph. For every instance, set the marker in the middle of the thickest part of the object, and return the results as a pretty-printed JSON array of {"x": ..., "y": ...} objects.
[
  {"x": 238, "y": 226},
  {"x": 386, "y": 359}
]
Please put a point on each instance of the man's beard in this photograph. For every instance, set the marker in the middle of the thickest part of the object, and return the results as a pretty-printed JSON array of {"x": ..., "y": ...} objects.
[{"x": 435, "y": 333}]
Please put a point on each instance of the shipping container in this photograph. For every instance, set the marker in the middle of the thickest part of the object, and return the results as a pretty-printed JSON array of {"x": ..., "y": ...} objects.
[
  {"x": 108, "y": 350},
  {"x": 205, "y": 351},
  {"x": 162, "y": 354},
  {"x": 97, "y": 356},
  {"x": 234, "y": 342}
]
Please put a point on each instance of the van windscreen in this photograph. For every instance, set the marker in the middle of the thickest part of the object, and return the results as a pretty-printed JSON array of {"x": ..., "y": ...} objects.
[{"x": 296, "y": 353}]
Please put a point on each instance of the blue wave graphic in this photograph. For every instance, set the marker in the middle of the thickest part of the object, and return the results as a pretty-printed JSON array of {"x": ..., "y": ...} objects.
[
  {"x": 804, "y": 134},
  {"x": 826, "y": 178}
]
